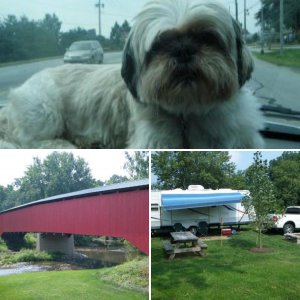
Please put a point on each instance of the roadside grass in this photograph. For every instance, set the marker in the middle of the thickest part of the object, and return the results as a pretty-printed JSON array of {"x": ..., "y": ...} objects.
[
  {"x": 289, "y": 58},
  {"x": 19, "y": 62},
  {"x": 82, "y": 284},
  {"x": 229, "y": 271}
]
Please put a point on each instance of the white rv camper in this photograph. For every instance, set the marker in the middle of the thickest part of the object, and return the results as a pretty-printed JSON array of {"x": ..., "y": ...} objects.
[{"x": 196, "y": 209}]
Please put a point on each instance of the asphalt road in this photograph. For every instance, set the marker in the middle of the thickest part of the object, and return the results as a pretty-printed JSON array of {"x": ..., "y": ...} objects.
[
  {"x": 276, "y": 85},
  {"x": 15, "y": 75}
]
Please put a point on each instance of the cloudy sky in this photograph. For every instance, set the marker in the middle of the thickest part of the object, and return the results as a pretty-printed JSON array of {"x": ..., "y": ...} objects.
[
  {"x": 84, "y": 14},
  {"x": 103, "y": 163}
]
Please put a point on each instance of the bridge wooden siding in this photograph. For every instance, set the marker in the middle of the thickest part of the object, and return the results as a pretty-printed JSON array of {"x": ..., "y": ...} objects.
[{"x": 122, "y": 214}]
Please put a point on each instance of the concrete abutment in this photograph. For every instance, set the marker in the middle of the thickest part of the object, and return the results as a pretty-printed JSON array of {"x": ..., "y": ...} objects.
[{"x": 59, "y": 242}]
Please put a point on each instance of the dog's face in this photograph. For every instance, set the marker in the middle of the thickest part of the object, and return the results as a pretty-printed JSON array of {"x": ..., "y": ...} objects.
[{"x": 182, "y": 53}]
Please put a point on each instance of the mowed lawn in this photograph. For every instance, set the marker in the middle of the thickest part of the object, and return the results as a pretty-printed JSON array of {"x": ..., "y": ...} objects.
[
  {"x": 229, "y": 270},
  {"x": 70, "y": 285}
]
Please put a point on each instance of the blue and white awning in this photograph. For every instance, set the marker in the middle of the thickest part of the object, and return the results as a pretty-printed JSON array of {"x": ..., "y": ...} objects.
[{"x": 173, "y": 201}]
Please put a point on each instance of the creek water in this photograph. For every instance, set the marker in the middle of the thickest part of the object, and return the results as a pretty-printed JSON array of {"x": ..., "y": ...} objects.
[{"x": 83, "y": 258}]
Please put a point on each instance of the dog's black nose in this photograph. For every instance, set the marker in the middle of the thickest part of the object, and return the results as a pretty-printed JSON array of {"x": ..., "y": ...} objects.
[{"x": 183, "y": 50}]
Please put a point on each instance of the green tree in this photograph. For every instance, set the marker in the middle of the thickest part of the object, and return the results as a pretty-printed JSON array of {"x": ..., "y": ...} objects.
[
  {"x": 2, "y": 197},
  {"x": 285, "y": 175},
  {"x": 237, "y": 181},
  {"x": 49, "y": 37},
  {"x": 9, "y": 197},
  {"x": 115, "y": 35},
  {"x": 181, "y": 169},
  {"x": 73, "y": 35},
  {"x": 137, "y": 164},
  {"x": 262, "y": 200},
  {"x": 52, "y": 24},
  {"x": 22, "y": 38},
  {"x": 116, "y": 179},
  {"x": 271, "y": 12},
  {"x": 125, "y": 27},
  {"x": 58, "y": 173},
  {"x": 119, "y": 34}
]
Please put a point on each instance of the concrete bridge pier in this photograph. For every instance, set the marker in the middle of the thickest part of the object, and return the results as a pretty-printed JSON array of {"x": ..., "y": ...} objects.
[{"x": 63, "y": 243}]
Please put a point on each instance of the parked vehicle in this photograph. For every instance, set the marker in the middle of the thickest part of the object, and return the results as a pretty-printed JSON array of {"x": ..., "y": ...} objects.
[
  {"x": 289, "y": 220},
  {"x": 90, "y": 52},
  {"x": 196, "y": 209}
]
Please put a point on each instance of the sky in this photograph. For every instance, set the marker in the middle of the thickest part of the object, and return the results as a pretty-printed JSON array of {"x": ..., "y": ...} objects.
[
  {"x": 103, "y": 163},
  {"x": 84, "y": 14},
  {"x": 243, "y": 159}
]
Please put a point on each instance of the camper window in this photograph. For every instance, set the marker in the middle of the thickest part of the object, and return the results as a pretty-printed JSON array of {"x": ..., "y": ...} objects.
[{"x": 154, "y": 207}]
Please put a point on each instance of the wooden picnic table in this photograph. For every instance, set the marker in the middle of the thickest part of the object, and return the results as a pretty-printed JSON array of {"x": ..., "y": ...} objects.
[{"x": 184, "y": 242}]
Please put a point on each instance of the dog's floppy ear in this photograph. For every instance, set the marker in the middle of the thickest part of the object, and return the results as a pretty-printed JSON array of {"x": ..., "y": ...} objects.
[
  {"x": 129, "y": 68},
  {"x": 244, "y": 59}
]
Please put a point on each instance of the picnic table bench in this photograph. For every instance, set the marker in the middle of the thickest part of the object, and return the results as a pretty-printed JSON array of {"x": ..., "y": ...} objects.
[
  {"x": 174, "y": 246},
  {"x": 294, "y": 237}
]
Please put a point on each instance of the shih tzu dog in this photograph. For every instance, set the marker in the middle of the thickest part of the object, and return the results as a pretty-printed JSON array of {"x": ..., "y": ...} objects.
[{"x": 180, "y": 86}]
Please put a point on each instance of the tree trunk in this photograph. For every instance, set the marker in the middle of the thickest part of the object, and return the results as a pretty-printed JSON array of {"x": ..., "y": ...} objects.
[{"x": 260, "y": 239}]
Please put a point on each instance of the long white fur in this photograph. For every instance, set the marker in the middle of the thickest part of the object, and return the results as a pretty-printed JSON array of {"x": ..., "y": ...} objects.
[{"x": 85, "y": 106}]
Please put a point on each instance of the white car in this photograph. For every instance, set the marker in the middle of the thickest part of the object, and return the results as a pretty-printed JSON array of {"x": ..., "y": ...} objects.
[
  {"x": 288, "y": 221},
  {"x": 89, "y": 52}
]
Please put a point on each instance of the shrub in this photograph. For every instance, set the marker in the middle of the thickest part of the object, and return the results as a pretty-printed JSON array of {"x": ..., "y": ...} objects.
[{"x": 26, "y": 255}]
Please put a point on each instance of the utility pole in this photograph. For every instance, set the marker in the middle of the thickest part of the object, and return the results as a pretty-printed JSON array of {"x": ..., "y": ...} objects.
[
  {"x": 99, "y": 5},
  {"x": 236, "y": 11},
  {"x": 245, "y": 21},
  {"x": 262, "y": 51},
  {"x": 281, "y": 27}
]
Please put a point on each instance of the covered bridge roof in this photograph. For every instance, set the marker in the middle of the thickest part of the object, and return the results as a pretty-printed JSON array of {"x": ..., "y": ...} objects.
[{"x": 101, "y": 190}]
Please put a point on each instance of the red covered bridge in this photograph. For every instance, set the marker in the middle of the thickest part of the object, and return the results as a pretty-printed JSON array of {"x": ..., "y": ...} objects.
[{"x": 120, "y": 210}]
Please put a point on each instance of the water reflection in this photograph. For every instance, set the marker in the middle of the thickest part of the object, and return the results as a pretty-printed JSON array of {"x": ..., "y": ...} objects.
[
  {"x": 116, "y": 256},
  {"x": 83, "y": 258}
]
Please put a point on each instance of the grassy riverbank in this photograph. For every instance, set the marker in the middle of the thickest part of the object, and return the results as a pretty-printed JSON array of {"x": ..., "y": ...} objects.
[
  {"x": 129, "y": 280},
  {"x": 26, "y": 255},
  {"x": 126, "y": 281},
  {"x": 229, "y": 271},
  {"x": 289, "y": 58}
]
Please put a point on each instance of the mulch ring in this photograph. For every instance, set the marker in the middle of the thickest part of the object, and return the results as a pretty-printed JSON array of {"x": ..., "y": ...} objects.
[{"x": 261, "y": 250}]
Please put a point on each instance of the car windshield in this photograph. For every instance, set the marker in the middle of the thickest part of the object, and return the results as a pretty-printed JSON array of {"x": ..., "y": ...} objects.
[
  {"x": 42, "y": 31},
  {"x": 80, "y": 46}
]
